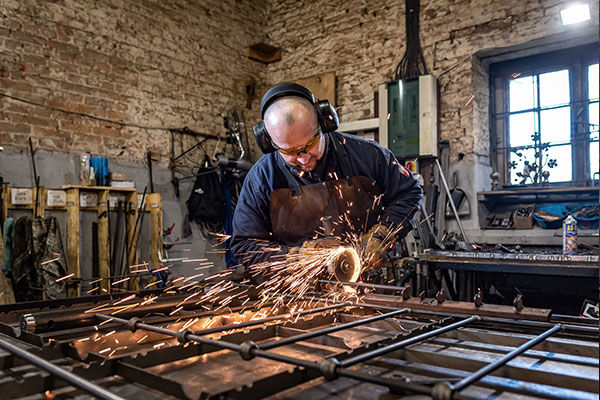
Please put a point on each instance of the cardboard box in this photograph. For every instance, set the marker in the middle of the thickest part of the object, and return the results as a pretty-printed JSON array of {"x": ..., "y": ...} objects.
[
  {"x": 523, "y": 218},
  {"x": 117, "y": 176}
]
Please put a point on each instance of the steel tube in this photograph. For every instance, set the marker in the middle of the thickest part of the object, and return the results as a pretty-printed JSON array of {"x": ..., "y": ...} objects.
[
  {"x": 398, "y": 345},
  {"x": 331, "y": 329},
  {"x": 477, "y": 375},
  {"x": 67, "y": 376},
  {"x": 367, "y": 285}
]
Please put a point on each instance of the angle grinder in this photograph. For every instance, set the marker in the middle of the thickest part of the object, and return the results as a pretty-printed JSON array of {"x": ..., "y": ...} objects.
[{"x": 345, "y": 266}]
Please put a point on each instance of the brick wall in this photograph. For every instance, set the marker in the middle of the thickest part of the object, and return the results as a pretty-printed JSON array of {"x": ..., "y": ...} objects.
[
  {"x": 362, "y": 42},
  {"x": 183, "y": 63},
  {"x": 151, "y": 63}
]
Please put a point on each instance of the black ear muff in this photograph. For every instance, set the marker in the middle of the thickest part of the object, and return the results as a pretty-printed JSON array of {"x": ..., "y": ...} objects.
[
  {"x": 326, "y": 114},
  {"x": 263, "y": 140},
  {"x": 328, "y": 118}
]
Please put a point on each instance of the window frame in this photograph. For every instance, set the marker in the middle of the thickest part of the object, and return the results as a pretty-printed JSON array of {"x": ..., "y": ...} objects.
[{"x": 576, "y": 60}]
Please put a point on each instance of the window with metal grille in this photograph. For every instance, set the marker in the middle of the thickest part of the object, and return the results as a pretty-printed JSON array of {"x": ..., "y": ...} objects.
[{"x": 544, "y": 112}]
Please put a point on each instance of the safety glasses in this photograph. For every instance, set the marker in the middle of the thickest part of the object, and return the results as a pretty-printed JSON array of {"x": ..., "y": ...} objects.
[{"x": 304, "y": 149}]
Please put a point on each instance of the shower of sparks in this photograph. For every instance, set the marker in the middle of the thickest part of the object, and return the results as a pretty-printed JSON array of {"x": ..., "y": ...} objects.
[
  {"x": 285, "y": 284},
  {"x": 64, "y": 277}
]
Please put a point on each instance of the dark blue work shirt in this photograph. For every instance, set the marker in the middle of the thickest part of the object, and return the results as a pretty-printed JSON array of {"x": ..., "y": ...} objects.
[{"x": 252, "y": 229}]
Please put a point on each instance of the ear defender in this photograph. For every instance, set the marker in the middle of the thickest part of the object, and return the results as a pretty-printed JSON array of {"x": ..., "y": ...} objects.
[{"x": 326, "y": 114}]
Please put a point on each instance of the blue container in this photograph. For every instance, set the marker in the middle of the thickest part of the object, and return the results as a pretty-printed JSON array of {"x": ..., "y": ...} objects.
[
  {"x": 100, "y": 165},
  {"x": 554, "y": 209},
  {"x": 586, "y": 223}
]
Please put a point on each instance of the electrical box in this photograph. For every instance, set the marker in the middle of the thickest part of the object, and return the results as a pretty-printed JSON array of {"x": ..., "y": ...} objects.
[{"x": 412, "y": 117}]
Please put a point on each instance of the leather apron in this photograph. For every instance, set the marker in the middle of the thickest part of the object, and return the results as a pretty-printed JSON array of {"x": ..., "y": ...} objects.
[{"x": 297, "y": 211}]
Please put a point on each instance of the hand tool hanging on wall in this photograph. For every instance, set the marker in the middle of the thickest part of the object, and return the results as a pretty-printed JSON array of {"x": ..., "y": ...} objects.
[
  {"x": 149, "y": 157},
  {"x": 124, "y": 256},
  {"x": 95, "y": 253},
  {"x": 451, "y": 201},
  {"x": 113, "y": 261},
  {"x": 440, "y": 222},
  {"x": 36, "y": 179},
  {"x": 136, "y": 233},
  {"x": 1, "y": 203}
]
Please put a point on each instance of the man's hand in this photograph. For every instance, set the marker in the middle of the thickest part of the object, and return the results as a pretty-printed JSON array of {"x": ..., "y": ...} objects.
[
  {"x": 239, "y": 274},
  {"x": 375, "y": 244},
  {"x": 310, "y": 245},
  {"x": 327, "y": 241}
]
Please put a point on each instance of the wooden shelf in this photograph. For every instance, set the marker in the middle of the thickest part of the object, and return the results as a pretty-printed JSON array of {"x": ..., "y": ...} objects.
[
  {"x": 72, "y": 206},
  {"x": 99, "y": 188},
  {"x": 539, "y": 195}
]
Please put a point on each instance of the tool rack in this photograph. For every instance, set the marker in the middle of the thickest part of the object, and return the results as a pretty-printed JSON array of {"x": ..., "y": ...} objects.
[{"x": 72, "y": 205}]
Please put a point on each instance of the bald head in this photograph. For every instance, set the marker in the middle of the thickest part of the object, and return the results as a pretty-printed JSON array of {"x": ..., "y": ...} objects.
[
  {"x": 292, "y": 122},
  {"x": 288, "y": 111}
]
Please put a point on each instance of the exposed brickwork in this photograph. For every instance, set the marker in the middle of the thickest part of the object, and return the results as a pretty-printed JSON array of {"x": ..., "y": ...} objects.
[
  {"x": 153, "y": 63},
  {"x": 183, "y": 63},
  {"x": 362, "y": 42}
]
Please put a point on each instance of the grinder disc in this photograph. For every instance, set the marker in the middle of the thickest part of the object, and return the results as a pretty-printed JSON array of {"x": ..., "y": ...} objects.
[{"x": 347, "y": 266}]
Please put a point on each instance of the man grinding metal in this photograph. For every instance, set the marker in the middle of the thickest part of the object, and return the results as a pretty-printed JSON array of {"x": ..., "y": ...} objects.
[{"x": 316, "y": 183}]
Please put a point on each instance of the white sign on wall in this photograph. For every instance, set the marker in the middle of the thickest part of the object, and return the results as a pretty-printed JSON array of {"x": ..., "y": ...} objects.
[
  {"x": 87, "y": 199},
  {"x": 21, "y": 196},
  {"x": 56, "y": 198},
  {"x": 114, "y": 198}
]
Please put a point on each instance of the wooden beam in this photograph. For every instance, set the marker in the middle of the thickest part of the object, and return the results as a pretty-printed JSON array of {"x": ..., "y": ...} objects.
[
  {"x": 103, "y": 239},
  {"x": 73, "y": 238},
  {"x": 154, "y": 202}
]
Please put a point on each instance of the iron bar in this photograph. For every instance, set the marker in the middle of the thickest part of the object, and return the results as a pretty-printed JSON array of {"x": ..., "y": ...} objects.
[
  {"x": 331, "y": 329},
  {"x": 368, "y": 285},
  {"x": 67, "y": 376},
  {"x": 268, "y": 319},
  {"x": 503, "y": 360},
  {"x": 184, "y": 336},
  {"x": 249, "y": 350},
  {"x": 497, "y": 383},
  {"x": 396, "y": 385},
  {"x": 398, "y": 345}
]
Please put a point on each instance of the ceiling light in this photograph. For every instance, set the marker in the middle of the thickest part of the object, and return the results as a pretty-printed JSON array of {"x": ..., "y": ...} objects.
[{"x": 575, "y": 13}]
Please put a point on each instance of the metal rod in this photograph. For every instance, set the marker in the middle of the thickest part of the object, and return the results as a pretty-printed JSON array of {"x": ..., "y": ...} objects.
[
  {"x": 36, "y": 179},
  {"x": 398, "y": 345},
  {"x": 396, "y": 385},
  {"x": 135, "y": 227},
  {"x": 474, "y": 377},
  {"x": 187, "y": 336},
  {"x": 368, "y": 285},
  {"x": 462, "y": 231},
  {"x": 243, "y": 349},
  {"x": 268, "y": 319},
  {"x": 67, "y": 376},
  {"x": 331, "y": 329}
]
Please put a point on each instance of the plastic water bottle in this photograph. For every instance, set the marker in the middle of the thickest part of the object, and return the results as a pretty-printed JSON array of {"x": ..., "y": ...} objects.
[
  {"x": 569, "y": 235},
  {"x": 84, "y": 167}
]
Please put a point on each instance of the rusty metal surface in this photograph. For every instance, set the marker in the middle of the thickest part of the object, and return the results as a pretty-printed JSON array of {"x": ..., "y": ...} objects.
[
  {"x": 460, "y": 307},
  {"x": 147, "y": 365}
]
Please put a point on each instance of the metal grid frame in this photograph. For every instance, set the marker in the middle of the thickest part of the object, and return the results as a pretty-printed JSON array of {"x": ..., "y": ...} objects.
[{"x": 449, "y": 386}]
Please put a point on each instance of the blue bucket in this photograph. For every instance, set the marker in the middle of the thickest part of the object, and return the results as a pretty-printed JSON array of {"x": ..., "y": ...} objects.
[
  {"x": 585, "y": 223},
  {"x": 554, "y": 209},
  {"x": 100, "y": 165}
]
